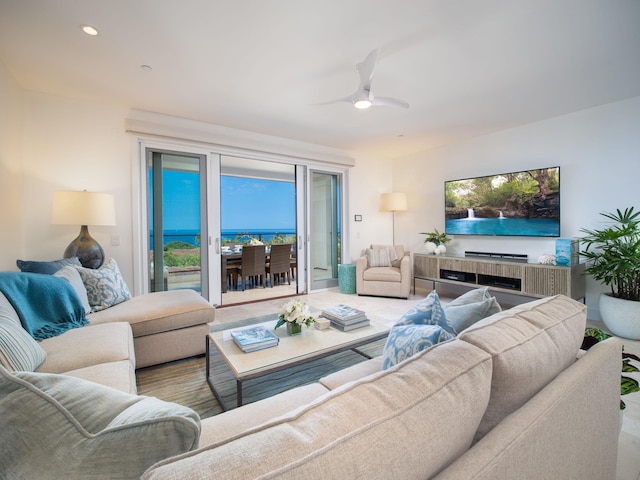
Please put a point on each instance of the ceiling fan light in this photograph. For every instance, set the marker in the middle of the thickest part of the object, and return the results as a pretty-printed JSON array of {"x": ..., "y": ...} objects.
[
  {"x": 89, "y": 30},
  {"x": 362, "y": 104}
]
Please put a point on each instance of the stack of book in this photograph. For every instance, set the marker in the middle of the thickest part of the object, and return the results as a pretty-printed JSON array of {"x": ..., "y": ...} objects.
[
  {"x": 345, "y": 318},
  {"x": 255, "y": 338}
]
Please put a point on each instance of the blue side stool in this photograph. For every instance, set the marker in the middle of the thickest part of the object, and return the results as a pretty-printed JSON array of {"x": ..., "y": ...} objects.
[{"x": 347, "y": 278}]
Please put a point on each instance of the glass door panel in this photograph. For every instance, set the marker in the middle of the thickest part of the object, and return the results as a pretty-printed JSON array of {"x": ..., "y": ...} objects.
[
  {"x": 325, "y": 229},
  {"x": 177, "y": 222},
  {"x": 257, "y": 206}
]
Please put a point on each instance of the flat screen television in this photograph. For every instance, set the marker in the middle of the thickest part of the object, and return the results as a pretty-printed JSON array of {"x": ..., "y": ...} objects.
[{"x": 525, "y": 203}]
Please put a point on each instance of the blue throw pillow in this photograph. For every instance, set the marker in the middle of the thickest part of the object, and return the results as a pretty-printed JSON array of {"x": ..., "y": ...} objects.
[
  {"x": 405, "y": 341},
  {"x": 49, "y": 268},
  {"x": 428, "y": 311},
  {"x": 421, "y": 327},
  {"x": 471, "y": 307}
]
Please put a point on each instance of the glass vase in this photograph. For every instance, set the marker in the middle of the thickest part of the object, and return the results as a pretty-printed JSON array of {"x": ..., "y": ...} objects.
[{"x": 294, "y": 328}]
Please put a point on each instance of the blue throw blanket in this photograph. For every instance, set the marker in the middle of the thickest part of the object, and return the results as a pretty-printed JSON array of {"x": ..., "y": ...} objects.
[{"x": 47, "y": 305}]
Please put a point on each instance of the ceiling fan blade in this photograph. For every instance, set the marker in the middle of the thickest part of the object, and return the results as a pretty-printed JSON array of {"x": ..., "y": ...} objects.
[
  {"x": 389, "y": 102},
  {"x": 365, "y": 69},
  {"x": 350, "y": 99}
]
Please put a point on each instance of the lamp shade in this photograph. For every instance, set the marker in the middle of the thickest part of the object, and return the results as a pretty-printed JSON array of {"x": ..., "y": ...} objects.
[
  {"x": 83, "y": 208},
  {"x": 393, "y": 202}
]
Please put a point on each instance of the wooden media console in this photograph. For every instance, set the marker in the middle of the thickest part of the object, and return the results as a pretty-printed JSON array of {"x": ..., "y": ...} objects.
[{"x": 511, "y": 276}]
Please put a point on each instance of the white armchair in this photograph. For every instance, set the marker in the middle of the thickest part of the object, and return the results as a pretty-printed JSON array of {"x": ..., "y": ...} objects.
[{"x": 384, "y": 271}]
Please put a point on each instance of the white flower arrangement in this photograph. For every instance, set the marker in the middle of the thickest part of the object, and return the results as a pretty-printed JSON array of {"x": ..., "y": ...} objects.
[{"x": 295, "y": 311}]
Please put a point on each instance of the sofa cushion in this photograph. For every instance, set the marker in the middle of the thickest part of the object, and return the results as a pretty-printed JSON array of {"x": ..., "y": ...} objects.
[
  {"x": 89, "y": 346},
  {"x": 158, "y": 312},
  {"x": 382, "y": 274},
  {"x": 47, "y": 267},
  {"x": 238, "y": 420},
  {"x": 362, "y": 429},
  {"x": 467, "y": 309},
  {"x": 105, "y": 285},
  {"x": 120, "y": 375},
  {"x": 18, "y": 349},
  {"x": 354, "y": 372},
  {"x": 57, "y": 426},
  {"x": 71, "y": 275},
  {"x": 530, "y": 344}
]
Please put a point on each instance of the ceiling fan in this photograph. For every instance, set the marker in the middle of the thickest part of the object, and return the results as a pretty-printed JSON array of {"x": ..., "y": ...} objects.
[{"x": 363, "y": 97}]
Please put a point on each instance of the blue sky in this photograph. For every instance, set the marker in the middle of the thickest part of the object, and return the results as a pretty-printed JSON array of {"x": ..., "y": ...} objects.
[{"x": 247, "y": 203}]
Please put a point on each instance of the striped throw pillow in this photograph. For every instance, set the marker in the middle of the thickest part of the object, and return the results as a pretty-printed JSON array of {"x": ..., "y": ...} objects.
[
  {"x": 378, "y": 257},
  {"x": 18, "y": 350}
]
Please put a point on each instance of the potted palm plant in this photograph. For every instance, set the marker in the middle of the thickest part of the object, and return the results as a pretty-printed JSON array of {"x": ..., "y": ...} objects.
[{"x": 613, "y": 257}]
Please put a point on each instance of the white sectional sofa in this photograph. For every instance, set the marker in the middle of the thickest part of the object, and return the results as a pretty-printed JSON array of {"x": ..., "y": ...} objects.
[{"x": 511, "y": 397}]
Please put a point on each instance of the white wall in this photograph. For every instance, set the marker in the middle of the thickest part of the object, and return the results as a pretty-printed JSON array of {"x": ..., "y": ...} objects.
[
  {"x": 367, "y": 180},
  {"x": 74, "y": 145},
  {"x": 596, "y": 149},
  {"x": 11, "y": 230}
]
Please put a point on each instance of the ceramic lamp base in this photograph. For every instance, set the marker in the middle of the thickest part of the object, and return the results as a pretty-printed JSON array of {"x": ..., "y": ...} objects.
[{"x": 88, "y": 251}]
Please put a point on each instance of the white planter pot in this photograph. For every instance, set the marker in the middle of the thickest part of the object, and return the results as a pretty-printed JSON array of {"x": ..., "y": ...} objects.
[{"x": 620, "y": 316}]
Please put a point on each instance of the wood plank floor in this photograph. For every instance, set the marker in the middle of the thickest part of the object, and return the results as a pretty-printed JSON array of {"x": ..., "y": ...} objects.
[{"x": 184, "y": 381}]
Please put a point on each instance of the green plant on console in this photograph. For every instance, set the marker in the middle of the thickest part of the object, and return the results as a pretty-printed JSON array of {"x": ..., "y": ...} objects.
[
  {"x": 627, "y": 384},
  {"x": 436, "y": 237}
]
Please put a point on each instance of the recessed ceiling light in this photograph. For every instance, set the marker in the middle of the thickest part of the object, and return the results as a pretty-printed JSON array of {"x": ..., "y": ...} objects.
[
  {"x": 146, "y": 68},
  {"x": 89, "y": 30}
]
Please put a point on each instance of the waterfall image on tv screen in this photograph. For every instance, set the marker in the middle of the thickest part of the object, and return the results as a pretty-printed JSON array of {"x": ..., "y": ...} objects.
[{"x": 523, "y": 203}]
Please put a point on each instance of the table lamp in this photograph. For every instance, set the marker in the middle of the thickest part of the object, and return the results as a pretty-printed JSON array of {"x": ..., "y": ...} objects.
[{"x": 84, "y": 208}]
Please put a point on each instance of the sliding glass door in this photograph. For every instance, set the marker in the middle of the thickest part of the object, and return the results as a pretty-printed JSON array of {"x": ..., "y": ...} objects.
[{"x": 202, "y": 207}]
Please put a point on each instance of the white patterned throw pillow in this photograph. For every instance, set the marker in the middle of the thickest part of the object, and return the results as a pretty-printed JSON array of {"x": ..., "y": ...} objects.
[{"x": 105, "y": 285}]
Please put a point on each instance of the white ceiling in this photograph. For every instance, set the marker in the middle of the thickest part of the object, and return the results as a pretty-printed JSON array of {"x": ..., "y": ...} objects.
[{"x": 466, "y": 67}]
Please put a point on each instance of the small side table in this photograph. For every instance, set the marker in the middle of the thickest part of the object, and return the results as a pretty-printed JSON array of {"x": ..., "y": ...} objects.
[{"x": 347, "y": 278}]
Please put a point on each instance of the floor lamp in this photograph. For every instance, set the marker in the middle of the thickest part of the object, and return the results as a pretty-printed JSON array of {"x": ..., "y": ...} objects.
[
  {"x": 84, "y": 208},
  {"x": 393, "y": 202}
]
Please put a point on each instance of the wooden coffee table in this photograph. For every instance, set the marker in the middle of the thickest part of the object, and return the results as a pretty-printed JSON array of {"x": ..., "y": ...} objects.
[{"x": 292, "y": 350}]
